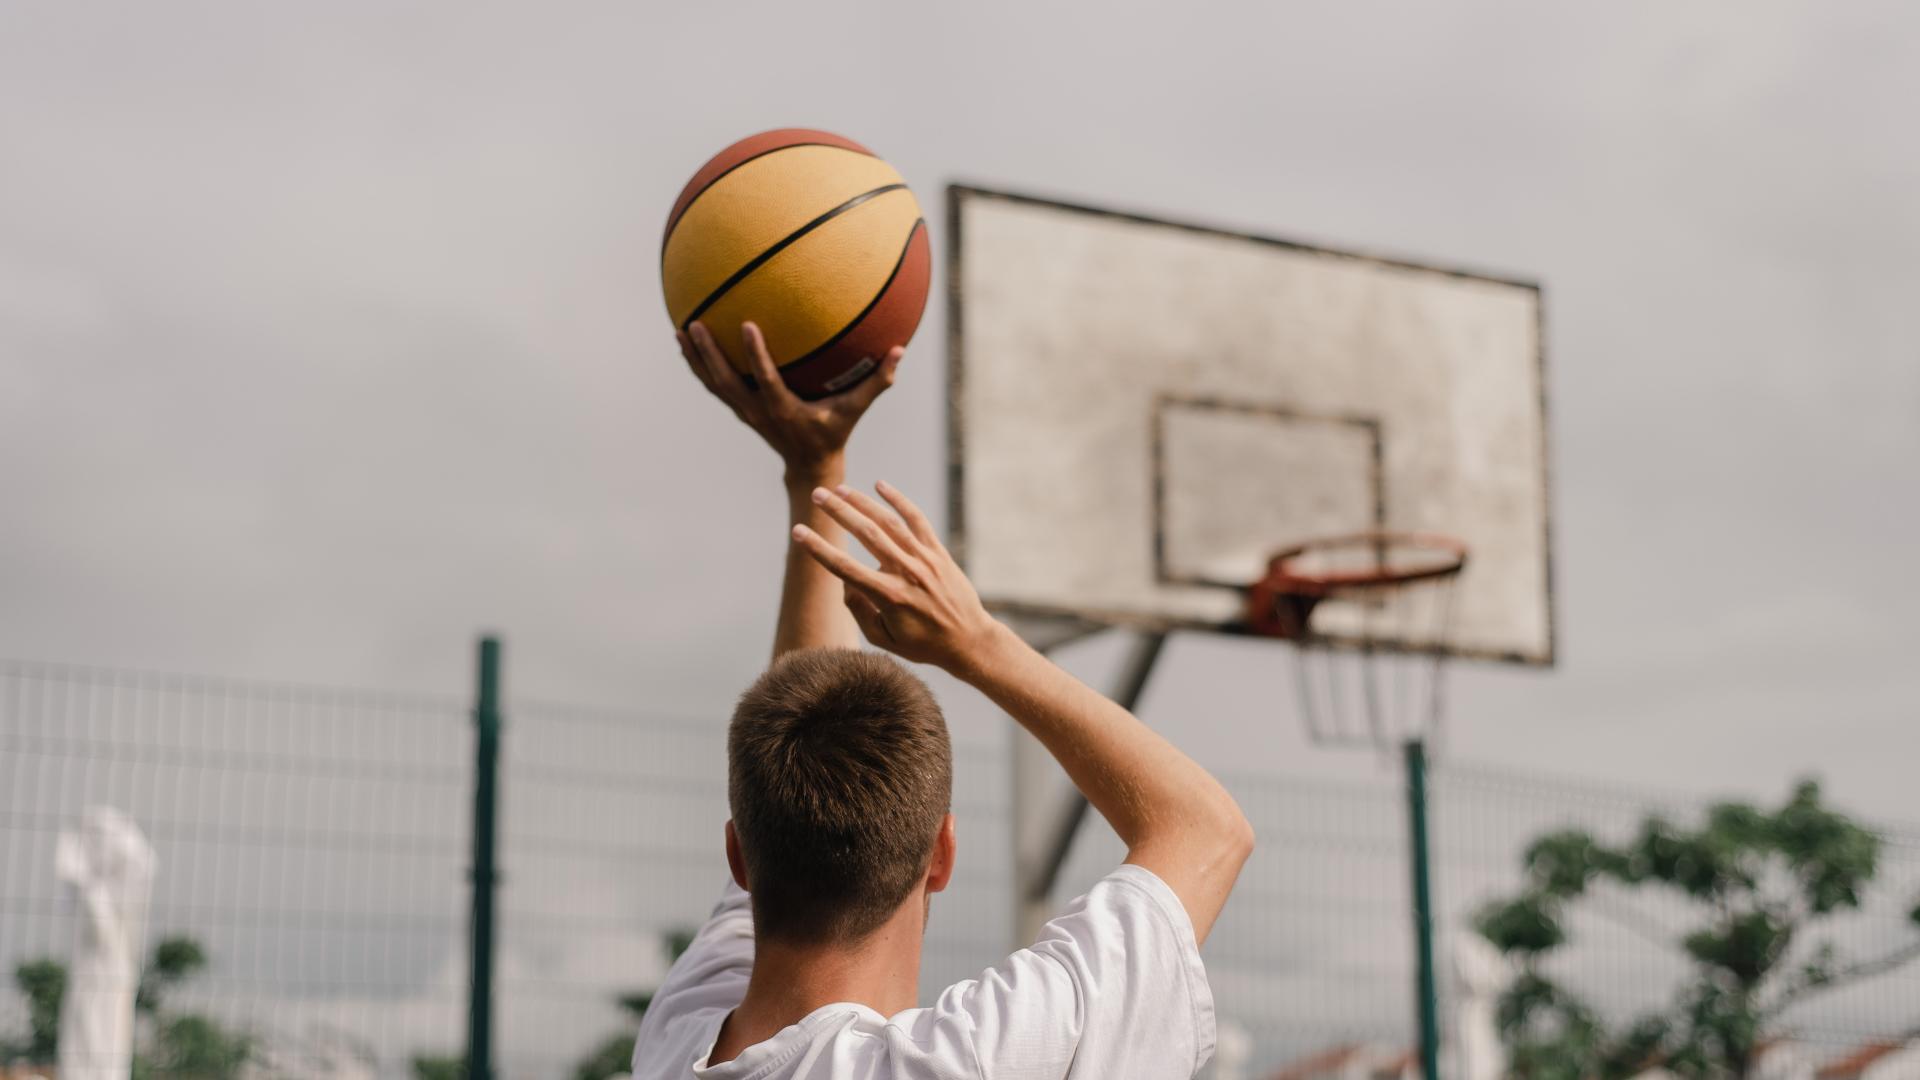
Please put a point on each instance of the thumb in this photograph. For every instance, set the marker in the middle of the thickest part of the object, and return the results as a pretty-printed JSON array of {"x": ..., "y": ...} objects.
[{"x": 866, "y": 614}]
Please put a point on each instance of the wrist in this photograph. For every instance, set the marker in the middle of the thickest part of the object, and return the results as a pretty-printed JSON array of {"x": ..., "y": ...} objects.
[
  {"x": 985, "y": 654},
  {"x": 803, "y": 476}
]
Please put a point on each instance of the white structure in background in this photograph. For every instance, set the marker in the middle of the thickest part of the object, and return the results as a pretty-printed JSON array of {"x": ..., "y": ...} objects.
[
  {"x": 1480, "y": 975},
  {"x": 110, "y": 867}
]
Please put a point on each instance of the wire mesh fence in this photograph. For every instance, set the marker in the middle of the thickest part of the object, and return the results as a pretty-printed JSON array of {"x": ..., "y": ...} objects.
[
  {"x": 613, "y": 846},
  {"x": 1312, "y": 962},
  {"x": 1625, "y": 953},
  {"x": 309, "y": 848},
  {"x": 312, "y": 850},
  {"x": 312, "y": 847}
]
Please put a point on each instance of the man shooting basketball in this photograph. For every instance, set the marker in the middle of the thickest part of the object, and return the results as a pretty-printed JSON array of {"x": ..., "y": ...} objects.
[{"x": 840, "y": 779}]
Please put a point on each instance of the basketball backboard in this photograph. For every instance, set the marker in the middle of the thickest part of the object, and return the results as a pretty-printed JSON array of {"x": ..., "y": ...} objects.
[{"x": 1142, "y": 411}]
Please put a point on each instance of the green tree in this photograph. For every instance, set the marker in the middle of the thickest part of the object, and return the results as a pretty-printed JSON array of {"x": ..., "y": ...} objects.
[
  {"x": 614, "y": 1054},
  {"x": 1763, "y": 882},
  {"x": 42, "y": 983}
]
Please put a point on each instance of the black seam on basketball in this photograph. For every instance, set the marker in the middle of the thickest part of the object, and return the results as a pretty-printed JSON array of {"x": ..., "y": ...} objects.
[
  {"x": 918, "y": 224},
  {"x": 760, "y": 260},
  {"x": 708, "y": 186}
]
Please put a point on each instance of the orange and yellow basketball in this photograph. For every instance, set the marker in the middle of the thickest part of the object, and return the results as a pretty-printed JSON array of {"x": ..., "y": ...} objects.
[{"x": 811, "y": 237}]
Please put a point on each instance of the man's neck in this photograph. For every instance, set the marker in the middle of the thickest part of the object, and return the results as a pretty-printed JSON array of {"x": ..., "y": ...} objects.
[{"x": 881, "y": 971}]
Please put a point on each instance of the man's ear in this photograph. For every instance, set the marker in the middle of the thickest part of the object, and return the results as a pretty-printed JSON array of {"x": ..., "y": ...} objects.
[
  {"x": 945, "y": 851},
  {"x": 737, "y": 862}
]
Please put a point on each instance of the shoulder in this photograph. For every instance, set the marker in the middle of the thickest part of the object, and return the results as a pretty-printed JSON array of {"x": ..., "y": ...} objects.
[
  {"x": 668, "y": 1047},
  {"x": 1114, "y": 982}
]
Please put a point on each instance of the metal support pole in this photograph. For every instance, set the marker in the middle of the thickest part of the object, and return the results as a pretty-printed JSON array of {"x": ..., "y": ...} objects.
[
  {"x": 1042, "y": 873},
  {"x": 1424, "y": 989},
  {"x": 486, "y": 779}
]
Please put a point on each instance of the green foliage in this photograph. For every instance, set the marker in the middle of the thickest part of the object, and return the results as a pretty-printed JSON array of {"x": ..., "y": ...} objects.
[
  {"x": 182, "y": 1046},
  {"x": 1527, "y": 924},
  {"x": 1550, "y": 1035},
  {"x": 1833, "y": 856},
  {"x": 1560, "y": 864},
  {"x": 440, "y": 1067},
  {"x": 175, "y": 960},
  {"x": 192, "y": 1047},
  {"x": 1764, "y": 880},
  {"x": 1695, "y": 863},
  {"x": 42, "y": 983},
  {"x": 1745, "y": 946}
]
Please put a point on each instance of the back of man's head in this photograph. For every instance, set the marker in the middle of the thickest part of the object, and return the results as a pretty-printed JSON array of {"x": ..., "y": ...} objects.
[{"x": 839, "y": 774}]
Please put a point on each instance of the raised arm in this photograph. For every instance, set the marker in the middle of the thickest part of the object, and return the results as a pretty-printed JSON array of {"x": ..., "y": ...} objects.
[
  {"x": 811, "y": 439},
  {"x": 1174, "y": 817}
]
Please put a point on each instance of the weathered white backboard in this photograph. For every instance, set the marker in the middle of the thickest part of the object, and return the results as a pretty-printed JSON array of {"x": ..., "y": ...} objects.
[{"x": 1142, "y": 412}]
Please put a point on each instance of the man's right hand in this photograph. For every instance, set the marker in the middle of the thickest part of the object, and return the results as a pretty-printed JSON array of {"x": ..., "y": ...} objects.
[
  {"x": 1175, "y": 818},
  {"x": 917, "y": 603},
  {"x": 810, "y": 436}
]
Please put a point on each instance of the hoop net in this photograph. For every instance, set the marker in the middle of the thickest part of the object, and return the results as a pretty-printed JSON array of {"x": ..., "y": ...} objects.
[{"x": 1370, "y": 616}]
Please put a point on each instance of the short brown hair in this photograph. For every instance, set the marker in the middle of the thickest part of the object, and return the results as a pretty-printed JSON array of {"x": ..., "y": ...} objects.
[{"x": 839, "y": 774}]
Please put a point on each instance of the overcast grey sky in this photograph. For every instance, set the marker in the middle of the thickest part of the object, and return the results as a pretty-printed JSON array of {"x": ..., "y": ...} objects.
[{"x": 330, "y": 335}]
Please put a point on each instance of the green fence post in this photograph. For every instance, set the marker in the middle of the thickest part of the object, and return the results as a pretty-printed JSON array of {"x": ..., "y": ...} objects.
[
  {"x": 1416, "y": 751},
  {"x": 486, "y": 780}
]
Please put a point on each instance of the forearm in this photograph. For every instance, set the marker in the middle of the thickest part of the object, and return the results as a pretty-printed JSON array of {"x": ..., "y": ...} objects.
[
  {"x": 1150, "y": 792},
  {"x": 812, "y": 611}
]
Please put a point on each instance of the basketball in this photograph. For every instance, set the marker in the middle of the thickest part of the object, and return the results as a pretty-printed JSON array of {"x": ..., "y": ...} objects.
[{"x": 811, "y": 237}]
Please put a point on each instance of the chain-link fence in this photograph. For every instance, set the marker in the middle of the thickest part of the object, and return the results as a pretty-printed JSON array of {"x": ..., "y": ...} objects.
[{"x": 309, "y": 913}]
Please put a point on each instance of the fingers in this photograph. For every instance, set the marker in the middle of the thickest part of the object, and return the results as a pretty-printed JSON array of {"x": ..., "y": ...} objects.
[
  {"x": 864, "y": 528},
  {"x": 692, "y": 358},
  {"x": 857, "y": 399},
  {"x": 916, "y": 521},
  {"x": 840, "y": 564},
  {"x": 720, "y": 376},
  {"x": 887, "y": 519},
  {"x": 766, "y": 376}
]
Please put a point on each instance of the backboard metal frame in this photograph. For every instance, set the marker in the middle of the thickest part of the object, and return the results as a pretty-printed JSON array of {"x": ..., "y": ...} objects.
[{"x": 1041, "y": 614}]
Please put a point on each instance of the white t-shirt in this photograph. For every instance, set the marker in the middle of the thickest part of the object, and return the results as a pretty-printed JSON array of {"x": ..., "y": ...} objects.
[{"x": 1113, "y": 990}]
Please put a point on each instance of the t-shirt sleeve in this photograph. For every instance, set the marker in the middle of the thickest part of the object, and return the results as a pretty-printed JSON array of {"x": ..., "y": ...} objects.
[
  {"x": 1113, "y": 987},
  {"x": 711, "y": 974}
]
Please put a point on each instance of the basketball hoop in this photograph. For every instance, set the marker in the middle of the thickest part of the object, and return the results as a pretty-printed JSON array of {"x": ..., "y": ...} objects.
[{"x": 1334, "y": 598}]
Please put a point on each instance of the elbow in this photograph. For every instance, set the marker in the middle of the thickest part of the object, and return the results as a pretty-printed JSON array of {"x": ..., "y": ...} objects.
[
  {"x": 1241, "y": 837},
  {"x": 1233, "y": 835}
]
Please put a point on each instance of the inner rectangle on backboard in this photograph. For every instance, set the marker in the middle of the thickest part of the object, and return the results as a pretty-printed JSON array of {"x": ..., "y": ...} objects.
[{"x": 1236, "y": 481}]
